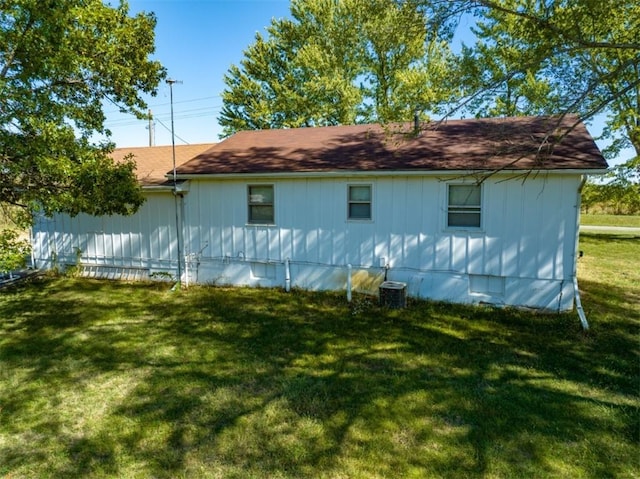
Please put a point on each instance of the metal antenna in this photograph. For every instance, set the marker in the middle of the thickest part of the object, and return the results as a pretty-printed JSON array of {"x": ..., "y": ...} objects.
[{"x": 170, "y": 82}]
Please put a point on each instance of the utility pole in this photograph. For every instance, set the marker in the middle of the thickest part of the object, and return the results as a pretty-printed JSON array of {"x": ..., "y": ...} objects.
[
  {"x": 171, "y": 82},
  {"x": 152, "y": 128}
]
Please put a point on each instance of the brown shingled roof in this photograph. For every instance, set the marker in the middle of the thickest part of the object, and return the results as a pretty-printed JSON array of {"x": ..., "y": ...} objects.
[
  {"x": 474, "y": 144},
  {"x": 154, "y": 162}
]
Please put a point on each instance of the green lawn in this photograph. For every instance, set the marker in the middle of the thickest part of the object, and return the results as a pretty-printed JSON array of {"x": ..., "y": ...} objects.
[
  {"x": 107, "y": 379},
  {"x": 610, "y": 220}
]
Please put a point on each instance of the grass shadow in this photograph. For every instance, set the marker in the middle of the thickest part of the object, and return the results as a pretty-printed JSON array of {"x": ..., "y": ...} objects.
[{"x": 258, "y": 383}]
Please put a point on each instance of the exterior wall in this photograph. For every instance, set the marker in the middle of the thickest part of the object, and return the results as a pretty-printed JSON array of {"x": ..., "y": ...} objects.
[
  {"x": 111, "y": 246},
  {"x": 523, "y": 254}
]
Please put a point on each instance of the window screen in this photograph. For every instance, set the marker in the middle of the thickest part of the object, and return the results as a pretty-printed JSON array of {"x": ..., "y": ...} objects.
[
  {"x": 464, "y": 206},
  {"x": 261, "y": 204},
  {"x": 359, "y": 202}
]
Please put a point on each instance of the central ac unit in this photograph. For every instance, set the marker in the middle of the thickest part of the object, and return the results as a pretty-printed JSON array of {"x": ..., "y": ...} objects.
[{"x": 393, "y": 294}]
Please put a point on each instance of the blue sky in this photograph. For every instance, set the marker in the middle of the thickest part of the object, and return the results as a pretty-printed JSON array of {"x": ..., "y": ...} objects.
[{"x": 197, "y": 41}]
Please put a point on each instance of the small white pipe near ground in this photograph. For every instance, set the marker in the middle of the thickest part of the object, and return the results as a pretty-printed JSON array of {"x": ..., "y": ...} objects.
[
  {"x": 186, "y": 271},
  {"x": 287, "y": 276},
  {"x": 349, "y": 282},
  {"x": 583, "y": 317}
]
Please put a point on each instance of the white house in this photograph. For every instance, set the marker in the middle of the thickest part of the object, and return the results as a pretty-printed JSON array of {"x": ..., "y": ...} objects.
[
  {"x": 127, "y": 247},
  {"x": 472, "y": 211}
]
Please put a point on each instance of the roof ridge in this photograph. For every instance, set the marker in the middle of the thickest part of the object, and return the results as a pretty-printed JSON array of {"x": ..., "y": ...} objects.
[{"x": 164, "y": 146}]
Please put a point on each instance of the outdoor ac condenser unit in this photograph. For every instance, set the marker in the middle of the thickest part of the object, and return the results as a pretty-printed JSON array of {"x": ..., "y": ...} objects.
[{"x": 393, "y": 294}]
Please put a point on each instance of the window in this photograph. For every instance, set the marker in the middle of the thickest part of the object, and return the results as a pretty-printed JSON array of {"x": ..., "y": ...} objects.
[
  {"x": 464, "y": 205},
  {"x": 261, "y": 204},
  {"x": 359, "y": 202}
]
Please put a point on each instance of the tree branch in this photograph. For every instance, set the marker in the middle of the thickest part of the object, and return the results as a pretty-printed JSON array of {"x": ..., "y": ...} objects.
[
  {"x": 12, "y": 54},
  {"x": 560, "y": 32}
]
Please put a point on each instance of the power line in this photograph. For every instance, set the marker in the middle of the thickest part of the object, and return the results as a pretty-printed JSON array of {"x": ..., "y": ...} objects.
[
  {"x": 169, "y": 130},
  {"x": 167, "y": 103},
  {"x": 184, "y": 114}
]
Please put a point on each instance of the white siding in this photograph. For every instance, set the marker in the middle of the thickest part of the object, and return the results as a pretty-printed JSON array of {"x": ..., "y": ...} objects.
[
  {"x": 527, "y": 235},
  {"x": 145, "y": 241},
  {"x": 522, "y": 255}
]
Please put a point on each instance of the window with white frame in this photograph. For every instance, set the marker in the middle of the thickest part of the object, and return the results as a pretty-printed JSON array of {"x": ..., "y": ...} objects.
[
  {"x": 464, "y": 206},
  {"x": 261, "y": 201},
  {"x": 359, "y": 199}
]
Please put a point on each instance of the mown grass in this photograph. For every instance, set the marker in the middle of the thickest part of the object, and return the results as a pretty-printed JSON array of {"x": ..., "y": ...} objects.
[
  {"x": 610, "y": 220},
  {"x": 107, "y": 379}
]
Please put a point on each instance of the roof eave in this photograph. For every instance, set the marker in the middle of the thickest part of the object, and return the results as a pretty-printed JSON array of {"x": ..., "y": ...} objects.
[
  {"x": 181, "y": 186},
  {"x": 157, "y": 188},
  {"x": 386, "y": 173}
]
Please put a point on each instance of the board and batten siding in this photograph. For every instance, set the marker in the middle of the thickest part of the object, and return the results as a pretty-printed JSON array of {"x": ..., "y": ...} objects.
[
  {"x": 523, "y": 254},
  {"x": 128, "y": 247}
]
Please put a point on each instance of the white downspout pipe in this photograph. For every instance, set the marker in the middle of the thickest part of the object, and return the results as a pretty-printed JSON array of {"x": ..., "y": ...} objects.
[
  {"x": 581, "y": 315},
  {"x": 185, "y": 248},
  {"x": 32, "y": 243},
  {"x": 349, "y": 282},
  {"x": 287, "y": 276},
  {"x": 186, "y": 271},
  {"x": 576, "y": 290}
]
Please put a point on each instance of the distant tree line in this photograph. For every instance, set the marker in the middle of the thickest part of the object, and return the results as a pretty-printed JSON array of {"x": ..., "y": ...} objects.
[{"x": 618, "y": 193}]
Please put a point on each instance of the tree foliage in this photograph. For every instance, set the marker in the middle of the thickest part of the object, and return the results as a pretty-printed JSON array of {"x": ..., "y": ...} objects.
[
  {"x": 349, "y": 61},
  {"x": 618, "y": 192},
  {"x": 562, "y": 56},
  {"x": 60, "y": 61},
  {"x": 13, "y": 250},
  {"x": 339, "y": 62},
  {"x": 558, "y": 56}
]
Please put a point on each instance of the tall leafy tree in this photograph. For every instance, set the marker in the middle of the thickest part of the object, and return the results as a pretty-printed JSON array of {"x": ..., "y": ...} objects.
[
  {"x": 338, "y": 62},
  {"x": 562, "y": 56},
  {"x": 558, "y": 56},
  {"x": 285, "y": 80},
  {"x": 60, "y": 61}
]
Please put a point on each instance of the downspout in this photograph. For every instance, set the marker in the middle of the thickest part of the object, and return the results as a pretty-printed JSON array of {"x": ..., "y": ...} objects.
[
  {"x": 178, "y": 237},
  {"x": 576, "y": 290},
  {"x": 185, "y": 255},
  {"x": 581, "y": 315},
  {"x": 349, "y": 282}
]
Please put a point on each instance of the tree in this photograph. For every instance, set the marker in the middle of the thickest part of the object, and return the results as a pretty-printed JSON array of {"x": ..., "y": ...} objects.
[
  {"x": 558, "y": 56},
  {"x": 618, "y": 192},
  {"x": 338, "y": 62},
  {"x": 59, "y": 62},
  {"x": 502, "y": 75},
  {"x": 13, "y": 250}
]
